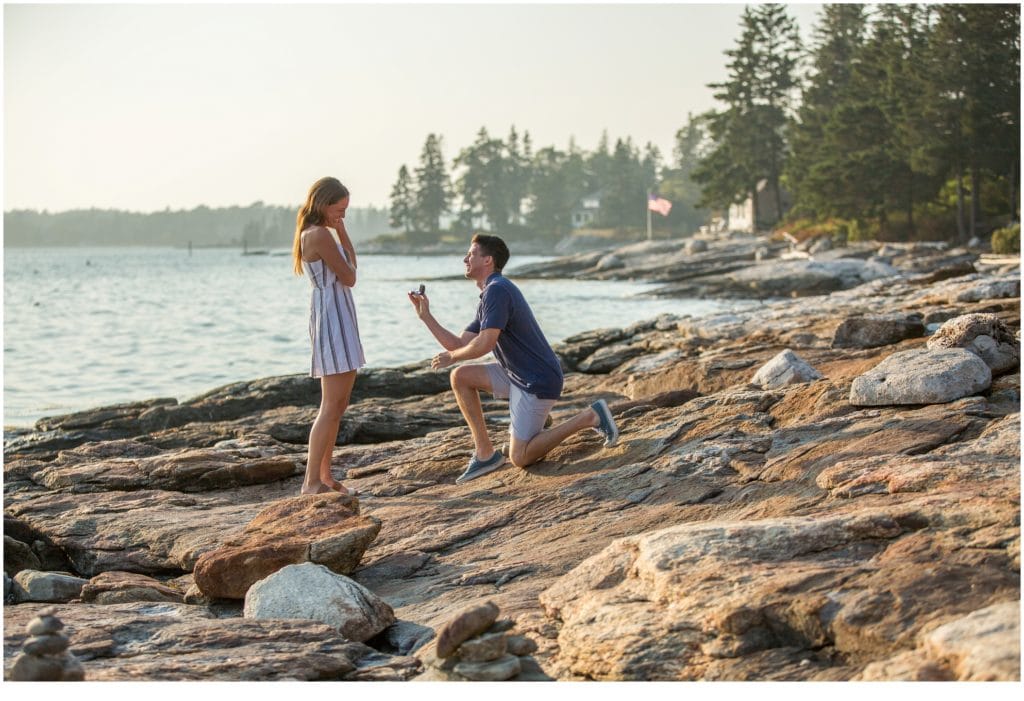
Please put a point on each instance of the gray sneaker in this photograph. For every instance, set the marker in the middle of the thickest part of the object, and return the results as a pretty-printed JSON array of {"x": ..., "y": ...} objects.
[
  {"x": 479, "y": 468},
  {"x": 606, "y": 427}
]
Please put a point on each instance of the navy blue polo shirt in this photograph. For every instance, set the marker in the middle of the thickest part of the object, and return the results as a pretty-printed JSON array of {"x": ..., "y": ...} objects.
[{"x": 522, "y": 349}]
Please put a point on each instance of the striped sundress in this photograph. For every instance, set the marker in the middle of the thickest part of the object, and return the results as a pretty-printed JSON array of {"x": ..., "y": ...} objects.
[{"x": 333, "y": 328}]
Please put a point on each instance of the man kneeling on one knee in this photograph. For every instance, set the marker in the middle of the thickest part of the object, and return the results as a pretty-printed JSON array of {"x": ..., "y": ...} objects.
[{"x": 527, "y": 373}]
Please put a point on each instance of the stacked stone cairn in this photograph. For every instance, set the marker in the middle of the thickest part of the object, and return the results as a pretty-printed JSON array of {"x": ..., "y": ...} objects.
[
  {"x": 477, "y": 646},
  {"x": 44, "y": 656}
]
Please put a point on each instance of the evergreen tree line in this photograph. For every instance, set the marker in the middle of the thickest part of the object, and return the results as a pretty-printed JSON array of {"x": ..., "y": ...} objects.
[
  {"x": 257, "y": 226},
  {"x": 908, "y": 123},
  {"x": 900, "y": 121},
  {"x": 506, "y": 186}
]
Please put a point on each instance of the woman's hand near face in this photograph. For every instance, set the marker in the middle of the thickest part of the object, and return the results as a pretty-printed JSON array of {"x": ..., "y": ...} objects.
[
  {"x": 323, "y": 244},
  {"x": 346, "y": 242}
]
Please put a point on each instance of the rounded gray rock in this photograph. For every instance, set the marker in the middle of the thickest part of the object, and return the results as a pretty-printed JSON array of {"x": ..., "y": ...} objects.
[
  {"x": 696, "y": 246},
  {"x": 483, "y": 648},
  {"x": 29, "y": 668},
  {"x": 44, "y": 625},
  {"x": 610, "y": 262},
  {"x": 784, "y": 369},
  {"x": 520, "y": 645},
  {"x": 50, "y": 644},
  {"x": 497, "y": 670},
  {"x": 313, "y": 592},
  {"x": 985, "y": 335},
  {"x": 922, "y": 376},
  {"x": 48, "y": 586},
  {"x": 467, "y": 623}
]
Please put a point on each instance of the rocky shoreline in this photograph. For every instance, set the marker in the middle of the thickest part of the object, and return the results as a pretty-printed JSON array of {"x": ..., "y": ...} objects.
[{"x": 821, "y": 486}]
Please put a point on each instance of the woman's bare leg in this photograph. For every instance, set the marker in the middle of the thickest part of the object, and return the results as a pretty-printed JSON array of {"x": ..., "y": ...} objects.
[{"x": 335, "y": 393}]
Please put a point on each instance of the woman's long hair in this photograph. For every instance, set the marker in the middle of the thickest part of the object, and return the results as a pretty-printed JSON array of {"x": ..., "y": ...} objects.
[{"x": 324, "y": 193}]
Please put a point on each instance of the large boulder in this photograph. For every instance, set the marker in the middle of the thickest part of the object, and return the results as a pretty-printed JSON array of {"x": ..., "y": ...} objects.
[
  {"x": 922, "y": 376},
  {"x": 784, "y": 369},
  {"x": 693, "y": 601},
  {"x": 326, "y": 529},
  {"x": 872, "y": 331},
  {"x": 30, "y": 585},
  {"x": 312, "y": 592},
  {"x": 124, "y": 587},
  {"x": 985, "y": 335}
]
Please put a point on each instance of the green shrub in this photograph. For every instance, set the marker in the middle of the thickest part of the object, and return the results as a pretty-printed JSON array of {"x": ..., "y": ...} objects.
[
  {"x": 863, "y": 230},
  {"x": 803, "y": 229},
  {"x": 1006, "y": 241}
]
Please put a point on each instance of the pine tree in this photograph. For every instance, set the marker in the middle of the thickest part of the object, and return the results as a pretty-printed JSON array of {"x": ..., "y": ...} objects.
[
  {"x": 677, "y": 184},
  {"x": 552, "y": 195},
  {"x": 749, "y": 135},
  {"x": 972, "y": 94},
  {"x": 483, "y": 184},
  {"x": 517, "y": 173},
  {"x": 863, "y": 170},
  {"x": 433, "y": 189},
  {"x": 778, "y": 56},
  {"x": 599, "y": 167},
  {"x": 624, "y": 196},
  {"x": 402, "y": 201},
  {"x": 837, "y": 39}
]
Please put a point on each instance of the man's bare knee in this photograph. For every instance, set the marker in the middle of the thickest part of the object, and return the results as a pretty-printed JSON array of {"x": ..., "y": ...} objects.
[
  {"x": 518, "y": 458},
  {"x": 463, "y": 376},
  {"x": 455, "y": 378}
]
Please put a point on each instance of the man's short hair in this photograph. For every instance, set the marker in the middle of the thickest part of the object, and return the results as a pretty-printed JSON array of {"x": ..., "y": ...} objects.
[{"x": 494, "y": 247}]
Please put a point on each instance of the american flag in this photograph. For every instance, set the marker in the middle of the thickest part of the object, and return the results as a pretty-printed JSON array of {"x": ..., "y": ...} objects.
[{"x": 659, "y": 205}]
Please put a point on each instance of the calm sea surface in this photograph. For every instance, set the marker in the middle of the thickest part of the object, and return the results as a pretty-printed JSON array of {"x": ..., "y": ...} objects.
[{"x": 86, "y": 327}]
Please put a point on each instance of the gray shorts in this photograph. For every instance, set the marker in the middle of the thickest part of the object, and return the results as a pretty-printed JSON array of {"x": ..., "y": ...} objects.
[{"x": 529, "y": 412}]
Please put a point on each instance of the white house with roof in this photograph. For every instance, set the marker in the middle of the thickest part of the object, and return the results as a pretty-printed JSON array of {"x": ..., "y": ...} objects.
[
  {"x": 741, "y": 216},
  {"x": 586, "y": 210}
]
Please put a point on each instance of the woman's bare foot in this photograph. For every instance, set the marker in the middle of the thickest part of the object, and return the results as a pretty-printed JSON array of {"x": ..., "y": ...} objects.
[
  {"x": 339, "y": 487},
  {"x": 320, "y": 488}
]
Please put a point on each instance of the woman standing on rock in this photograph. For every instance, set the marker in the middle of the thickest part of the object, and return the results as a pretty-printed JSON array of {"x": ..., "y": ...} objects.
[{"x": 324, "y": 251}]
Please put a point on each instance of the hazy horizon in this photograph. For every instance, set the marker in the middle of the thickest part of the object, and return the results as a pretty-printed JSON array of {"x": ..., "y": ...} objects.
[{"x": 147, "y": 107}]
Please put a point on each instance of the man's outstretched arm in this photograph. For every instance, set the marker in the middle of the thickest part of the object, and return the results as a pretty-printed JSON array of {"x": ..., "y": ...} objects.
[
  {"x": 480, "y": 345},
  {"x": 448, "y": 340}
]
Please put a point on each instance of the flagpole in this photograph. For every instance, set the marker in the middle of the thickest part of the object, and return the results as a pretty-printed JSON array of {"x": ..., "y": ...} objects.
[{"x": 648, "y": 215}]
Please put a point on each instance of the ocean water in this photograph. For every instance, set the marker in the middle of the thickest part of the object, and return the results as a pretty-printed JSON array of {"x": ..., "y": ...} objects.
[{"x": 86, "y": 327}]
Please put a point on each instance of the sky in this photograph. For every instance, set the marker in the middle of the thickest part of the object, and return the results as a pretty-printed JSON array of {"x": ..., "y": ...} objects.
[{"x": 143, "y": 107}]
